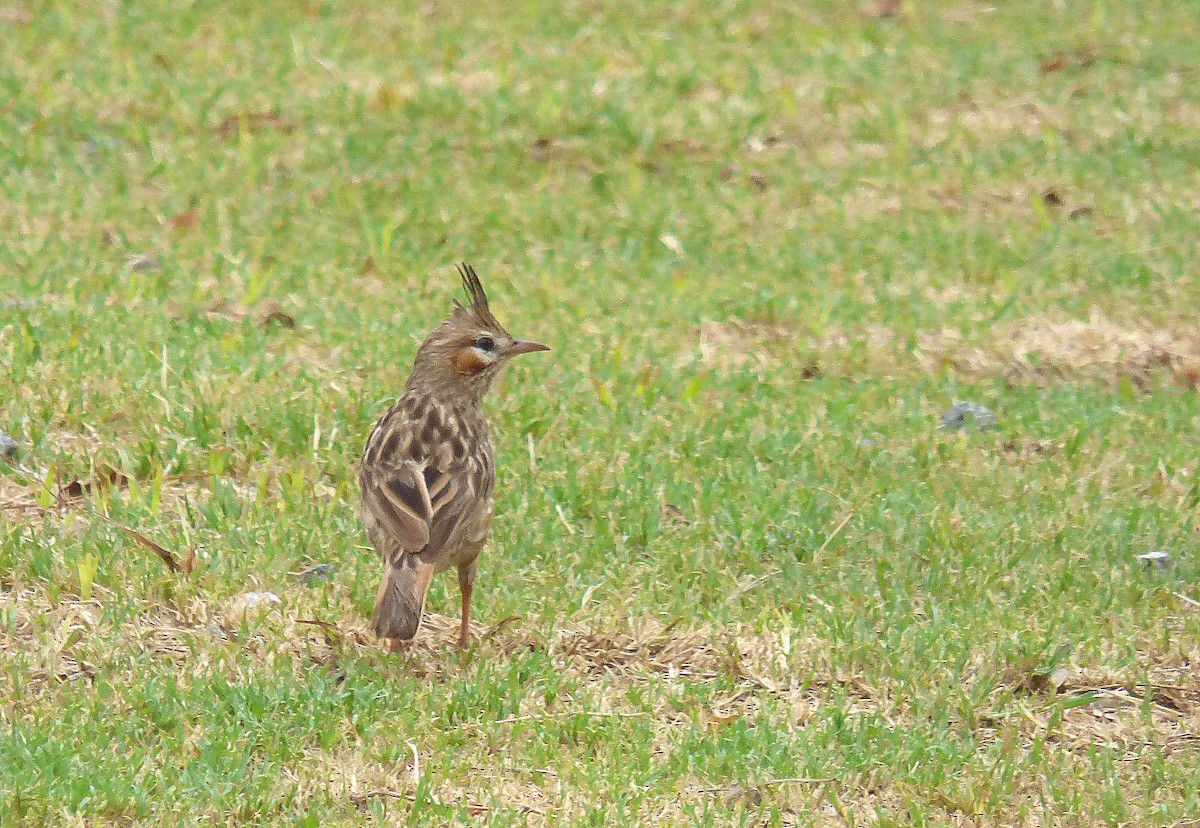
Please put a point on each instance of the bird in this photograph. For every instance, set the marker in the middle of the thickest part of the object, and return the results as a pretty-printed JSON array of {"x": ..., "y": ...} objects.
[{"x": 428, "y": 469}]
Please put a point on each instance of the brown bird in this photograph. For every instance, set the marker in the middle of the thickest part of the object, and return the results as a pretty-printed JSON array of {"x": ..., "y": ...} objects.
[{"x": 427, "y": 470}]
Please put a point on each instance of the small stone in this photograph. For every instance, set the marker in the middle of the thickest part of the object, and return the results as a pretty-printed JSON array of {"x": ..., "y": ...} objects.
[
  {"x": 1157, "y": 560},
  {"x": 249, "y": 607},
  {"x": 8, "y": 448},
  {"x": 956, "y": 416},
  {"x": 254, "y": 599},
  {"x": 316, "y": 574},
  {"x": 143, "y": 261}
]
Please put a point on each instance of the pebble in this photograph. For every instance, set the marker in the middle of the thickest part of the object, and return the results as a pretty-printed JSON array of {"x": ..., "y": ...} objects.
[
  {"x": 316, "y": 574},
  {"x": 8, "y": 448},
  {"x": 1158, "y": 560},
  {"x": 143, "y": 261},
  {"x": 249, "y": 607},
  {"x": 955, "y": 417}
]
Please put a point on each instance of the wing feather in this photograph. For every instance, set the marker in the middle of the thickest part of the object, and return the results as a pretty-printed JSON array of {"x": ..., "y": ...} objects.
[
  {"x": 398, "y": 497},
  {"x": 419, "y": 501}
]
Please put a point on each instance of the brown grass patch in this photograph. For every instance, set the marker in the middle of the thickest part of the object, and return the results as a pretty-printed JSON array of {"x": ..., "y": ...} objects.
[
  {"x": 767, "y": 345},
  {"x": 1131, "y": 719},
  {"x": 1043, "y": 350}
]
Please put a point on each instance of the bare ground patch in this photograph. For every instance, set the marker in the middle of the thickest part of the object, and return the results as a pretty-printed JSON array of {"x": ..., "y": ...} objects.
[{"x": 1043, "y": 350}]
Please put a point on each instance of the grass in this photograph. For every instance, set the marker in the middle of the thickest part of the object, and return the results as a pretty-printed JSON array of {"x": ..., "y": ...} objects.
[{"x": 738, "y": 575}]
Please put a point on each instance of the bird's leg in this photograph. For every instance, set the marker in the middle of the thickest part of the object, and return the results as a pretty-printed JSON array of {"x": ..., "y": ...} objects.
[{"x": 466, "y": 584}]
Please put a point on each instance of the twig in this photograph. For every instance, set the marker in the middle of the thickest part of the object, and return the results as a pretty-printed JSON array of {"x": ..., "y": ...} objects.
[
  {"x": 167, "y": 556},
  {"x": 332, "y": 634},
  {"x": 498, "y": 626},
  {"x": 416, "y": 768},
  {"x": 1191, "y": 602},
  {"x": 569, "y": 713},
  {"x": 1126, "y": 696},
  {"x": 563, "y": 518},
  {"x": 387, "y": 793},
  {"x": 742, "y": 588},
  {"x": 769, "y": 783},
  {"x": 832, "y": 535},
  {"x": 533, "y": 717}
]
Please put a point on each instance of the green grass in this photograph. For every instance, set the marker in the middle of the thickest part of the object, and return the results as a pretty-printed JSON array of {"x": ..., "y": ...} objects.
[{"x": 769, "y": 244}]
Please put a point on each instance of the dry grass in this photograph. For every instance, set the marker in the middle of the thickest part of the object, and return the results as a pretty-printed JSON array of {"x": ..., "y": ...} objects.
[
  {"x": 1045, "y": 350},
  {"x": 1127, "y": 717}
]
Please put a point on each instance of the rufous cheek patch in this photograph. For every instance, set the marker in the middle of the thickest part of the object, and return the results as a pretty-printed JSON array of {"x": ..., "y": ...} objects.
[{"x": 467, "y": 361}]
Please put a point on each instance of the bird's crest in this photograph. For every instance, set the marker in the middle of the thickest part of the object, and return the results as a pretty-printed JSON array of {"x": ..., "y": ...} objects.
[{"x": 476, "y": 296}]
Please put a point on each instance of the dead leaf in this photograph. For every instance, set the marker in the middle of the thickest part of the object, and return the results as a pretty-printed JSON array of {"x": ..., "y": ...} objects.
[
  {"x": 189, "y": 219},
  {"x": 106, "y": 478},
  {"x": 15, "y": 16},
  {"x": 142, "y": 261},
  {"x": 1079, "y": 212},
  {"x": 723, "y": 716},
  {"x": 1051, "y": 197},
  {"x": 166, "y": 555},
  {"x": 672, "y": 515},
  {"x": 269, "y": 312},
  {"x": 385, "y": 98},
  {"x": 883, "y": 8},
  {"x": 251, "y": 122},
  {"x": 539, "y": 150},
  {"x": 1054, "y": 64},
  {"x": 1187, "y": 375},
  {"x": 673, "y": 244},
  {"x": 230, "y": 310}
]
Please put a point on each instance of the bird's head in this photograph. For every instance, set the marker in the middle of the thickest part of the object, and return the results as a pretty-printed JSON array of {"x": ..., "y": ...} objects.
[{"x": 465, "y": 353}]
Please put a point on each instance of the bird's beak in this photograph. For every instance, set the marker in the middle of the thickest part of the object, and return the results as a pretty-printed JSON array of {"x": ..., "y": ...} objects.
[{"x": 524, "y": 346}]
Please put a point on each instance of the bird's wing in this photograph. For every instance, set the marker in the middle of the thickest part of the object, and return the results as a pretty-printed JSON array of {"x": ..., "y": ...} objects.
[
  {"x": 418, "y": 503},
  {"x": 397, "y": 495}
]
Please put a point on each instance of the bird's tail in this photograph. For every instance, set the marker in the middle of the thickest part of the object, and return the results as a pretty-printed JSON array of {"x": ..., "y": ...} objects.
[{"x": 401, "y": 599}]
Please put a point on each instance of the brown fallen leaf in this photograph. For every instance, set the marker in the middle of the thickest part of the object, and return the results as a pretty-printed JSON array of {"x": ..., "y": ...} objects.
[
  {"x": 230, "y": 310},
  {"x": 166, "y": 555},
  {"x": 142, "y": 261},
  {"x": 15, "y": 16},
  {"x": 883, "y": 8},
  {"x": 105, "y": 479},
  {"x": 1188, "y": 375},
  {"x": 718, "y": 716},
  {"x": 1082, "y": 58},
  {"x": 539, "y": 150},
  {"x": 189, "y": 219},
  {"x": 265, "y": 314},
  {"x": 385, "y": 98},
  {"x": 251, "y": 122},
  {"x": 672, "y": 515},
  {"x": 188, "y": 562},
  {"x": 1054, "y": 64},
  {"x": 1052, "y": 197},
  {"x": 269, "y": 313}
]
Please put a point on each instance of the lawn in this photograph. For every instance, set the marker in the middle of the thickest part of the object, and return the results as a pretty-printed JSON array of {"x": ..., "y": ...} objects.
[{"x": 739, "y": 574}]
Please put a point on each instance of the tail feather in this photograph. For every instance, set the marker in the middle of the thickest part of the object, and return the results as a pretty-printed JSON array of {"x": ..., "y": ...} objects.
[{"x": 401, "y": 599}]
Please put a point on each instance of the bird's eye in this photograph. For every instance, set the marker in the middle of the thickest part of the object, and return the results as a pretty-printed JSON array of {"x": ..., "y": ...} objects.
[{"x": 485, "y": 343}]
